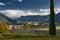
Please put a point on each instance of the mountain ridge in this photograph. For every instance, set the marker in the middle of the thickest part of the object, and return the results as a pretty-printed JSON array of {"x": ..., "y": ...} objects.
[
  {"x": 28, "y": 18},
  {"x": 6, "y": 19},
  {"x": 39, "y": 18}
]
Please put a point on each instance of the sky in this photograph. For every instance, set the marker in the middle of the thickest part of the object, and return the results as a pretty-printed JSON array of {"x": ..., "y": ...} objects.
[{"x": 18, "y": 8}]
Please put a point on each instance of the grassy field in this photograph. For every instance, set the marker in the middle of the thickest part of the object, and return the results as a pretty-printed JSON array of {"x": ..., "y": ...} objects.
[
  {"x": 33, "y": 36},
  {"x": 29, "y": 38}
]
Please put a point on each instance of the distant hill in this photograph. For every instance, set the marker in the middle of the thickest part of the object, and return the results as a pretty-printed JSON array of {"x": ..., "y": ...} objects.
[
  {"x": 38, "y": 18},
  {"x": 33, "y": 18},
  {"x": 24, "y": 19},
  {"x": 6, "y": 19},
  {"x": 57, "y": 18}
]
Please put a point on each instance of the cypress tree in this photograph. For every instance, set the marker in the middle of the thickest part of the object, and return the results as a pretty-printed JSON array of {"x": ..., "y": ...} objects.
[{"x": 52, "y": 28}]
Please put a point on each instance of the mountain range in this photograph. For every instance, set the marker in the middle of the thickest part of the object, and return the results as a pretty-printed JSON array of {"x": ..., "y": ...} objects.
[
  {"x": 38, "y": 18},
  {"x": 28, "y": 18},
  {"x": 4, "y": 18}
]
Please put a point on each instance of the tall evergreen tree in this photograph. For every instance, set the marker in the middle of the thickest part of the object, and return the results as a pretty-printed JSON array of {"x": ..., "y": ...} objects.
[{"x": 52, "y": 28}]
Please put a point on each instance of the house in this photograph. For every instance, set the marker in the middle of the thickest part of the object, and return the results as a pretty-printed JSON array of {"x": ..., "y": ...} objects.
[{"x": 33, "y": 23}]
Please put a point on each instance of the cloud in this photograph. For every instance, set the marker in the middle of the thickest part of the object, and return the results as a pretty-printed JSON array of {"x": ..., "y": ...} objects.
[
  {"x": 47, "y": 11},
  {"x": 57, "y": 10},
  {"x": 2, "y": 3},
  {"x": 44, "y": 11},
  {"x": 20, "y": 0},
  {"x": 19, "y": 13}
]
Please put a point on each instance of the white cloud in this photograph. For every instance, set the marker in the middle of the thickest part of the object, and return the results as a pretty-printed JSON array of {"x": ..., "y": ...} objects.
[
  {"x": 19, "y": 13},
  {"x": 20, "y": 0},
  {"x": 44, "y": 11},
  {"x": 57, "y": 10},
  {"x": 47, "y": 11},
  {"x": 2, "y": 3}
]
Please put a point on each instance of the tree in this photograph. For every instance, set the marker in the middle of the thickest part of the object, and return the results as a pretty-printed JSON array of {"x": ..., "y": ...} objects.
[
  {"x": 25, "y": 27},
  {"x": 52, "y": 28},
  {"x": 3, "y": 28}
]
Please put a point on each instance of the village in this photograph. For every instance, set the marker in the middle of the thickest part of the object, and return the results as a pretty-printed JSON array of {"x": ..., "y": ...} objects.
[{"x": 17, "y": 26}]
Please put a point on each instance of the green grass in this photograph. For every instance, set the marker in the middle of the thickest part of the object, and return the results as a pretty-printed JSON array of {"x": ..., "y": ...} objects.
[
  {"x": 19, "y": 35},
  {"x": 38, "y": 38},
  {"x": 29, "y": 37}
]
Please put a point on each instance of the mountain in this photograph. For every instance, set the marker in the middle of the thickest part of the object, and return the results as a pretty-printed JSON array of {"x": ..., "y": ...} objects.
[
  {"x": 24, "y": 19},
  {"x": 6, "y": 19},
  {"x": 38, "y": 18},
  {"x": 57, "y": 18}
]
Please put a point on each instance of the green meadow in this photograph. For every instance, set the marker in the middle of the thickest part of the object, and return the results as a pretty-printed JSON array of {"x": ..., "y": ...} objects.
[{"x": 29, "y": 37}]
